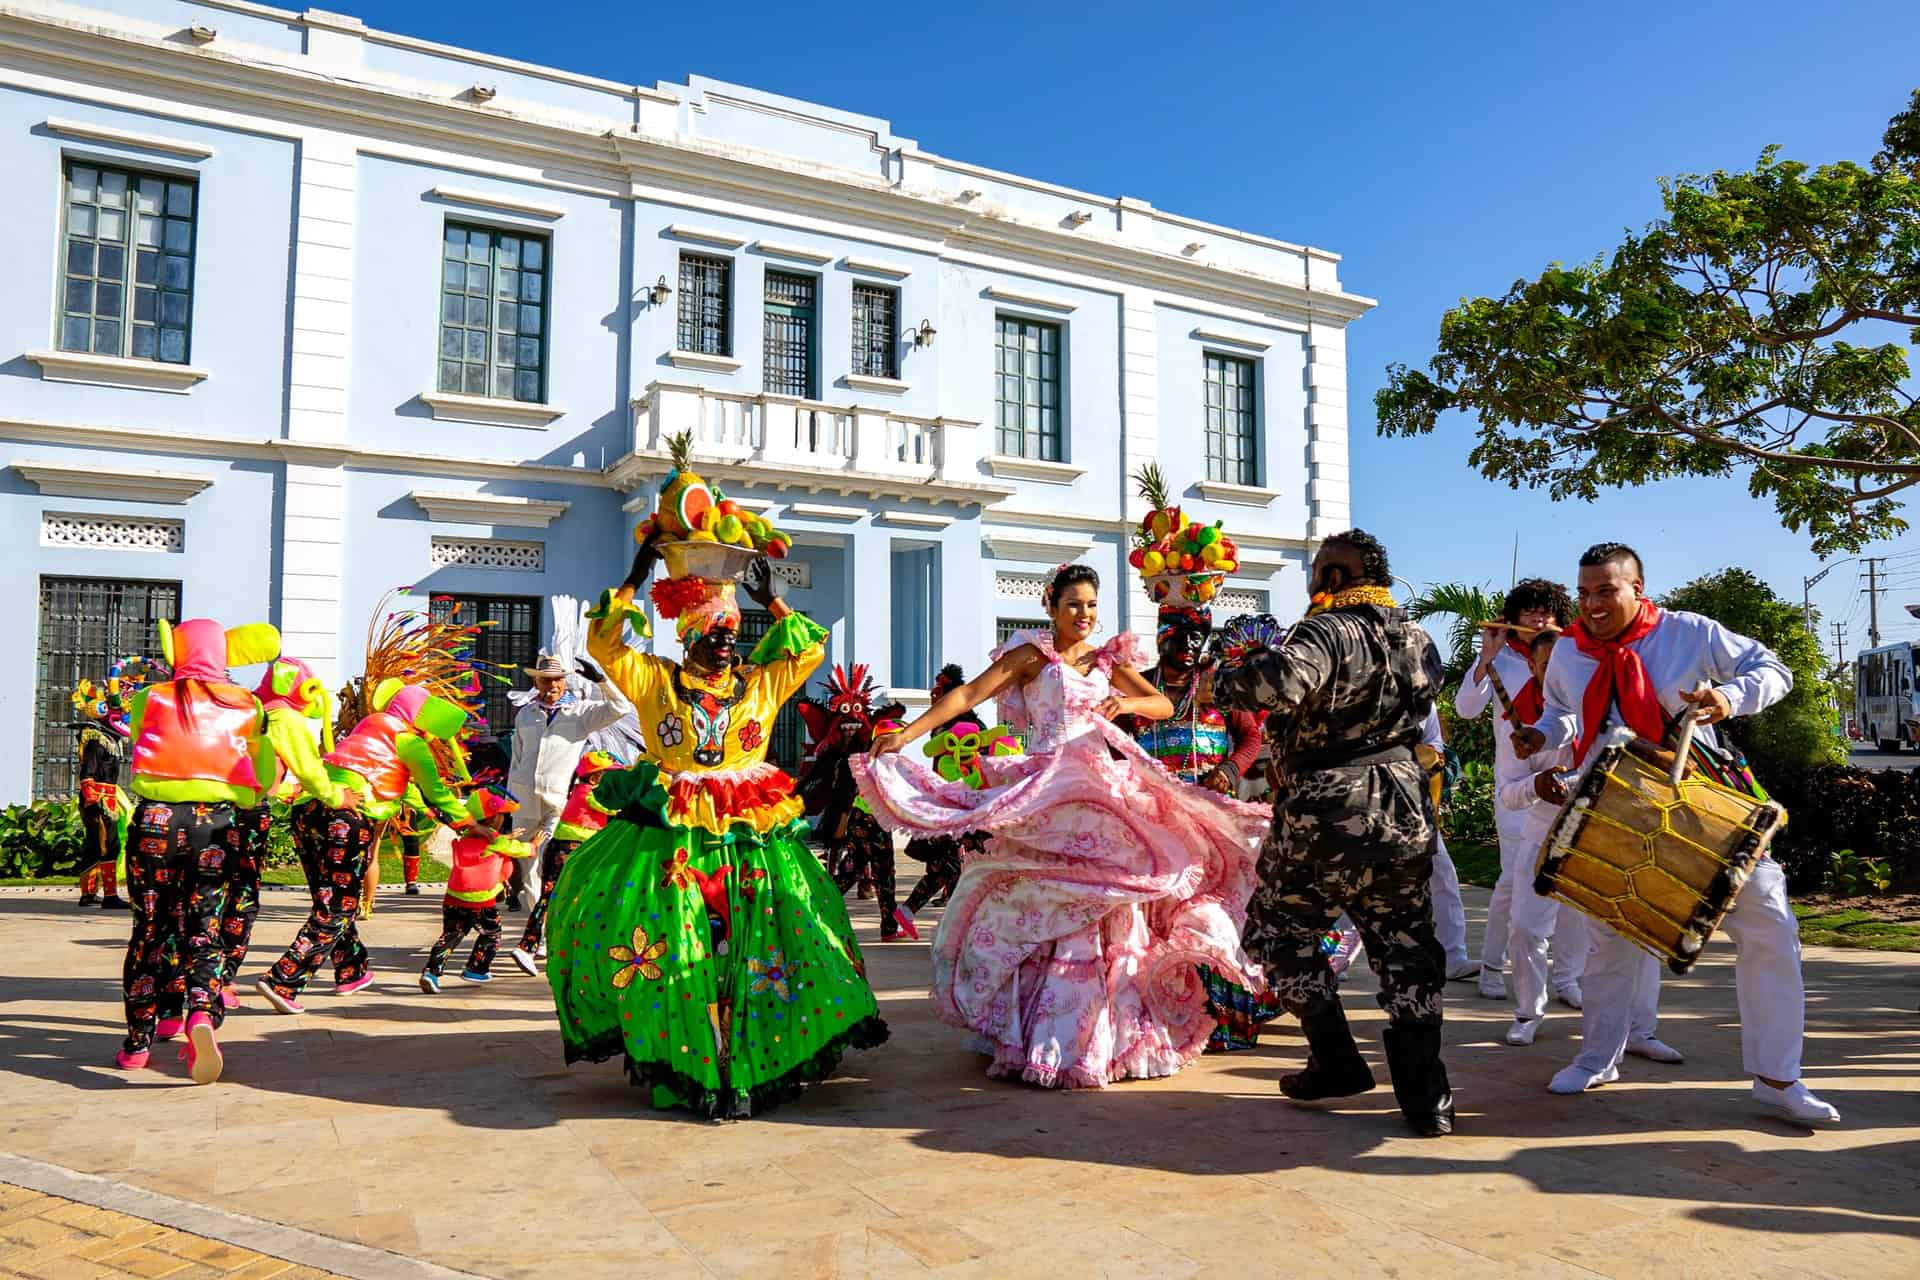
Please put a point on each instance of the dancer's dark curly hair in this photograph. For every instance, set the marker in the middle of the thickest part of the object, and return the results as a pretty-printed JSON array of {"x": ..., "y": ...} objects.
[
  {"x": 1068, "y": 575},
  {"x": 950, "y": 675},
  {"x": 1538, "y": 593},
  {"x": 1373, "y": 556}
]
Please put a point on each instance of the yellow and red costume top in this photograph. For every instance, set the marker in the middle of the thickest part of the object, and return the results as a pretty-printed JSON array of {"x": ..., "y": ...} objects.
[
  {"x": 199, "y": 738},
  {"x": 710, "y": 736},
  {"x": 388, "y": 752}
]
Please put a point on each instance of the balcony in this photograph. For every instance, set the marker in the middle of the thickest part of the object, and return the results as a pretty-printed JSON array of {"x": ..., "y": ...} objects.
[{"x": 810, "y": 445}]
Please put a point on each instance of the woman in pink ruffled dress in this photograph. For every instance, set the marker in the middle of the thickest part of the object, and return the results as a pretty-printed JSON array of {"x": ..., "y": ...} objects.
[{"x": 1069, "y": 947}]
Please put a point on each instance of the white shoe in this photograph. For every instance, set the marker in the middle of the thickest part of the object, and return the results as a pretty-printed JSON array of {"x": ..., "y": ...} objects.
[
  {"x": 1795, "y": 1103},
  {"x": 541, "y": 954},
  {"x": 1577, "y": 1079},
  {"x": 1655, "y": 1050},
  {"x": 1568, "y": 996},
  {"x": 1462, "y": 969},
  {"x": 1522, "y": 1031},
  {"x": 522, "y": 958},
  {"x": 1492, "y": 985}
]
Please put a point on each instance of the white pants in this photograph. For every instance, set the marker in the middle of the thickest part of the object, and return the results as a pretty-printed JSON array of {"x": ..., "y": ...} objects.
[
  {"x": 1449, "y": 914},
  {"x": 1493, "y": 949},
  {"x": 1766, "y": 976},
  {"x": 1532, "y": 922}
]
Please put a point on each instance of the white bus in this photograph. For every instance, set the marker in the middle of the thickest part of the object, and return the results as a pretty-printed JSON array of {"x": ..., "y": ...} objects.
[{"x": 1886, "y": 695}]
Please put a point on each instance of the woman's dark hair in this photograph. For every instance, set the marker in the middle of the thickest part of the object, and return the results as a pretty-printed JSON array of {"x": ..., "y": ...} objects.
[
  {"x": 950, "y": 675},
  {"x": 1538, "y": 593},
  {"x": 1068, "y": 575},
  {"x": 1373, "y": 556}
]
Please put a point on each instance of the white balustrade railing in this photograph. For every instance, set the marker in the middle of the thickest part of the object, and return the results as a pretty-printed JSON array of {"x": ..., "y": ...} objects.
[{"x": 784, "y": 431}]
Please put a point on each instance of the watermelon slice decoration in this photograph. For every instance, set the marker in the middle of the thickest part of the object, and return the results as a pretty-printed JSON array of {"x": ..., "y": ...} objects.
[{"x": 693, "y": 502}]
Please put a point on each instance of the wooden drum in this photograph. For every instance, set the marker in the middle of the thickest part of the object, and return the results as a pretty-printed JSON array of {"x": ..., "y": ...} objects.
[{"x": 1658, "y": 863}]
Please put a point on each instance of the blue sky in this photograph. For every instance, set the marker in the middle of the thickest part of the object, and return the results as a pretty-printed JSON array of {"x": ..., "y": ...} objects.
[{"x": 1443, "y": 150}]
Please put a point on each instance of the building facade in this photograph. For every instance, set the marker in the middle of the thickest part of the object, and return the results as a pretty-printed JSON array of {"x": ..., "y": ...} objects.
[{"x": 302, "y": 313}]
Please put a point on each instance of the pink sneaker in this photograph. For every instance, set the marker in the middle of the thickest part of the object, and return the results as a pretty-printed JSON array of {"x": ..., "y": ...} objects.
[
  {"x": 360, "y": 983},
  {"x": 905, "y": 921},
  {"x": 130, "y": 1061},
  {"x": 281, "y": 1003},
  {"x": 168, "y": 1028},
  {"x": 229, "y": 998},
  {"x": 202, "y": 1050}
]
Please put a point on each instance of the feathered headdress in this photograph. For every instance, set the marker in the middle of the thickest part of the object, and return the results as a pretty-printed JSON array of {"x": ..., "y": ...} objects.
[{"x": 412, "y": 646}]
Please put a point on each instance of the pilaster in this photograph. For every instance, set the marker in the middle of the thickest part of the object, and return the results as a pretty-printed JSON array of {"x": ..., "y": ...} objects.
[
  {"x": 1139, "y": 434},
  {"x": 1328, "y": 500}
]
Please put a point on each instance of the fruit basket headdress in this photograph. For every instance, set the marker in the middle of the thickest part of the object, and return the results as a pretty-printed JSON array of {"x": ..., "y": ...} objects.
[
  {"x": 707, "y": 541},
  {"x": 1182, "y": 563}
]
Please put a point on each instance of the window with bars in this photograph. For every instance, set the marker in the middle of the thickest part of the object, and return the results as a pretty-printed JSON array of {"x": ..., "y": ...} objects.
[
  {"x": 1027, "y": 388},
  {"x": 1003, "y": 628},
  {"x": 493, "y": 313},
  {"x": 86, "y": 625},
  {"x": 706, "y": 305},
  {"x": 513, "y": 638},
  {"x": 791, "y": 306},
  {"x": 876, "y": 331},
  {"x": 126, "y": 285},
  {"x": 788, "y": 742},
  {"x": 1231, "y": 421}
]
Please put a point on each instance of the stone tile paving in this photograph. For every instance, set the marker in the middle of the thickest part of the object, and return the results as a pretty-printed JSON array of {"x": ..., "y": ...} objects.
[
  {"x": 44, "y": 1236},
  {"x": 447, "y": 1129}
]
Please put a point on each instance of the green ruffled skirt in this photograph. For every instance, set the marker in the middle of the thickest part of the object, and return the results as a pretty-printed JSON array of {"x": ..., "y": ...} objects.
[{"x": 724, "y": 969}]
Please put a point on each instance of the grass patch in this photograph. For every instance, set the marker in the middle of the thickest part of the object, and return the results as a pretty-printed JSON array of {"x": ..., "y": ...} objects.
[
  {"x": 432, "y": 871},
  {"x": 1477, "y": 863},
  {"x": 1851, "y": 927}
]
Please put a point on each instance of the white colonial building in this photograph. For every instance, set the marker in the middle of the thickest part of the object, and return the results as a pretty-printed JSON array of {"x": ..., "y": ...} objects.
[{"x": 300, "y": 312}]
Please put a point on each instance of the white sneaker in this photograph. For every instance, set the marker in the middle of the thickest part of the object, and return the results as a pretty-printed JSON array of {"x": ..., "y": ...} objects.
[
  {"x": 522, "y": 958},
  {"x": 1568, "y": 996},
  {"x": 1795, "y": 1103},
  {"x": 1522, "y": 1031},
  {"x": 1492, "y": 985},
  {"x": 1577, "y": 1079},
  {"x": 1654, "y": 1050},
  {"x": 541, "y": 954},
  {"x": 1462, "y": 969}
]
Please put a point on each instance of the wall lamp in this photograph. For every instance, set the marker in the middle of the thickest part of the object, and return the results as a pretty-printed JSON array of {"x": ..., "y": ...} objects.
[
  {"x": 659, "y": 291},
  {"x": 923, "y": 336}
]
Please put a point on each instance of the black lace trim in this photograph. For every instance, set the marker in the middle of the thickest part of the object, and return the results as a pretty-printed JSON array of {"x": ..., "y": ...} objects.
[{"x": 733, "y": 1104}]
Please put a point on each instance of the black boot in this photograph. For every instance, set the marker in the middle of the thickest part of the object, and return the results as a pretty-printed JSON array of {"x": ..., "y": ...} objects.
[
  {"x": 1334, "y": 1067},
  {"x": 1419, "y": 1077}
]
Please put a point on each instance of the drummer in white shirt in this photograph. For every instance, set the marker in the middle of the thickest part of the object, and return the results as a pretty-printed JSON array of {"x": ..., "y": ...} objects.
[
  {"x": 1530, "y": 604},
  {"x": 1626, "y": 661}
]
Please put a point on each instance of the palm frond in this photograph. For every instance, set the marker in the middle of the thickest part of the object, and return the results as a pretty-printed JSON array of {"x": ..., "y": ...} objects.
[{"x": 1468, "y": 606}]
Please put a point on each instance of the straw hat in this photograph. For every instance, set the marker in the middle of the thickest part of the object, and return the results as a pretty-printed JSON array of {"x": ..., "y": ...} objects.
[{"x": 548, "y": 668}]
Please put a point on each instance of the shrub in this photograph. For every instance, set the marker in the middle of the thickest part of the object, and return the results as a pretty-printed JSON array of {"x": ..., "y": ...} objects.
[
  {"x": 1468, "y": 812},
  {"x": 41, "y": 839},
  {"x": 1866, "y": 816}
]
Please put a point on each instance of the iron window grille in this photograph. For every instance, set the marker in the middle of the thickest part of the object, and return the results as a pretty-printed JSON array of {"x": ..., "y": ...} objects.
[
  {"x": 706, "y": 305},
  {"x": 791, "y": 306},
  {"x": 493, "y": 313},
  {"x": 1231, "y": 421},
  {"x": 126, "y": 286},
  {"x": 788, "y": 743},
  {"x": 876, "y": 331},
  {"x": 1004, "y": 628},
  {"x": 513, "y": 639},
  {"x": 1027, "y": 391},
  {"x": 86, "y": 625}
]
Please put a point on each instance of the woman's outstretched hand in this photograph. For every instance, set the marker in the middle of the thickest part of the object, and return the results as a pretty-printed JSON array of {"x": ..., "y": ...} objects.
[{"x": 888, "y": 743}]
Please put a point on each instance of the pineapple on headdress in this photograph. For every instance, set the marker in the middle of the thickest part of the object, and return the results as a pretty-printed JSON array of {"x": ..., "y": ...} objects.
[
  {"x": 690, "y": 510},
  {"x": 1182, "y": 562}
]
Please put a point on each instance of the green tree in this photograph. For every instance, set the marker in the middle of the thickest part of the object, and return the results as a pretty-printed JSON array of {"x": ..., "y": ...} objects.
[
  {"x": 1796, "y": 733},
  {"x": 1754, "y": 328},
  {"x": 1466, "y": 605}
]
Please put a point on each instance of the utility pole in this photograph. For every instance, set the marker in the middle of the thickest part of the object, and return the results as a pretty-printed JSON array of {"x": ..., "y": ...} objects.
[
  {"x": 1839, "y": 646},
  {"x": 1874, "y": 591},
  {"x": 1806, "y": 596}
]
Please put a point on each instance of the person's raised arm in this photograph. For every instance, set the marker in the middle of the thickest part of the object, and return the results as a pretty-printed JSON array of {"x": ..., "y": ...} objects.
[
  {"x": 1750, "y": 677},
  {"x": 1012, "y": 668}
]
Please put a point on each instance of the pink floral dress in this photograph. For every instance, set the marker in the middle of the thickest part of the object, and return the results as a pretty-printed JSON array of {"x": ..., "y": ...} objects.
[{"x": 1069, "y": 947}]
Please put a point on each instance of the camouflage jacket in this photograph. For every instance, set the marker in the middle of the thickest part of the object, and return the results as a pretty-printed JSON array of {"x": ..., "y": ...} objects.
[{"x": 1345, "y": 684}]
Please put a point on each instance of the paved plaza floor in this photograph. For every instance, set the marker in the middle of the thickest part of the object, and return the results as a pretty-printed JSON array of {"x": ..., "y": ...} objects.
[{"x": 445, "y": 1135}]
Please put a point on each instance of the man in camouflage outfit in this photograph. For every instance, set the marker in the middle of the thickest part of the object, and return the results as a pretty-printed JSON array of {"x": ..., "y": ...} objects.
[{"x": 1346, "y": 694}]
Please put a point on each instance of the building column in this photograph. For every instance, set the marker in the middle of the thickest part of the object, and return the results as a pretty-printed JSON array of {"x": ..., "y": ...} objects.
[
  {"x": 317, "y": 378},
  {"x": 1139, "y": 436},
  {"x": 869, "y": 568},
  {"x": 1328, "y": 507}
]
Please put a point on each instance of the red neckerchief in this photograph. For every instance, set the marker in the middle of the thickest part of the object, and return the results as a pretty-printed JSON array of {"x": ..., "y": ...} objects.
[
  {"x": 1620, "y": 676},
  {"x": 1530, "y": 702}
]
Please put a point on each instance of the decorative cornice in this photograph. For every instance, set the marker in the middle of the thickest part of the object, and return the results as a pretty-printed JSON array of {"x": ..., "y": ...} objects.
[
  {"x": 1025, "y": 299},
  {"x": 917, "y": 519},
  {"x": 824, "y": 511},
  {"x": 703, "y": 235},
  {"x": 1030, "y": 548},
  {"x": 487, "y": 200},
  {"x": 1242, "y": 495},
  {"x": 701, "y": 360},
  {"x": 883, "y": 386},
  {"x": 1002, "y": 467},
  {"x": 127, "y": 138},
  {"x": 489, "y": 508},
  {"x": 773, "y": 249},
  {"x": 117, "y": 371},
  {"x": 1230, "y": 339},
  {"x": 64, "y": 480},
  {"x": 489, "y": 410},
  {"x": 868, "y": 267}
]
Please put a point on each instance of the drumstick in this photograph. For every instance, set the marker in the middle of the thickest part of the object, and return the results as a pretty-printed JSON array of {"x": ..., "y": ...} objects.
[
  {"x": 1500, "y": 693},
  {"x": 1678, "y": 769}
]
